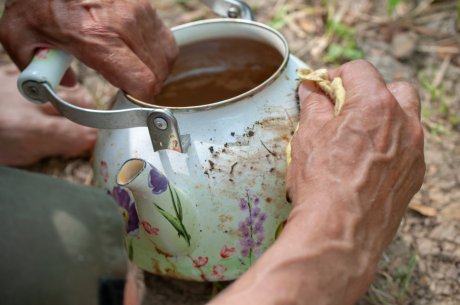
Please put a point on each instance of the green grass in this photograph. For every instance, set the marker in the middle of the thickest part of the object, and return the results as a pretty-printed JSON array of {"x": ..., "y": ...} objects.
[
  {"x": 436, "y": 114},
  {"x": 279, "y": 20},
  {"x": 391, "y": 6},
  {"x": 458, "y": 13},
  {"x": 344, "y": 48},
  {"x": 182, "y": 2},
  {"x": 394, "y": 288}
]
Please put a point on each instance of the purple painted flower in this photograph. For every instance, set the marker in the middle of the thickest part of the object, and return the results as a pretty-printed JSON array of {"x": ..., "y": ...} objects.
[
  {"x": 243, "y": 204},
  {"x": 263, "y": 217},
  {"x": 129, "y": 212},
  {"x": 243, "y": 228},
  {"x": 251, "y": 229},
  {"x": 259, "y": 227},
  {"x": 247, "y": 243},
  {"x": 260, "y": 238},
  {"x": 256, "y": 212},
  {"x": 157, "y": 181}
]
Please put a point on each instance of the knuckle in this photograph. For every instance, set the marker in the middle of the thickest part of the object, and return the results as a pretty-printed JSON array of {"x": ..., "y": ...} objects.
[
  {"x": 383, "y": 103},
  {"x": 359, "y": 64},
  {"x": 152, "y": 85},
  {"x": 418, "y": 135}
]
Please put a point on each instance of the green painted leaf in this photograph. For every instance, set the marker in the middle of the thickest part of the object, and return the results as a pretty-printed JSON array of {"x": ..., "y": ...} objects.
[
  {"x": 179, "y": 206},
  {"x": 178, "y": 226},
  {"x": 173, "y": 201}
]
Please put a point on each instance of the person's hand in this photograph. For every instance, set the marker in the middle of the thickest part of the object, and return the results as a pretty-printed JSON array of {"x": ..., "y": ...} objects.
[
  {"x": 368, "y": 161},
  {"x": 30, "y": 132},
  {"x": 350, "y": 179},
  {"x": 123, "y": 40}
]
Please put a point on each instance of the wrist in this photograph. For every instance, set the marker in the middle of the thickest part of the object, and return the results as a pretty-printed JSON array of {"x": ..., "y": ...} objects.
[{"x": 316, "y": 260}]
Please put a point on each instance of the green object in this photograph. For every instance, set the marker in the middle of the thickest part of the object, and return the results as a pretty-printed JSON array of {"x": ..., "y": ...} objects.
[
  {"x": 391, "y": 5},
  {"x": 59, "y": 240}
]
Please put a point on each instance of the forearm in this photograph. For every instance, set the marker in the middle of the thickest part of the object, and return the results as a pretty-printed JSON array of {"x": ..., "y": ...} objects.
[{"x": 318, "y": 259}]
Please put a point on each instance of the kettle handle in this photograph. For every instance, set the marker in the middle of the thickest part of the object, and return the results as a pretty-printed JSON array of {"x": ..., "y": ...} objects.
[
  {"x": 230, "y": 8},
  {"x": 38, "y": 82}
]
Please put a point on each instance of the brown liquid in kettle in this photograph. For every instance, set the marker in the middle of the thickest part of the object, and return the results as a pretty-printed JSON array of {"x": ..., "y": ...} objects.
[{"x": 213, "y": 70}]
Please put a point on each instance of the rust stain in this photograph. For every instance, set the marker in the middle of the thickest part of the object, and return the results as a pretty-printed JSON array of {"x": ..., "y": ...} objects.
[
  {"x": 161, "y": 252},
  {"x": 285, "y": 137},
  {"x": 156, "y": 266},
  {"x": 225, "y": 218}
]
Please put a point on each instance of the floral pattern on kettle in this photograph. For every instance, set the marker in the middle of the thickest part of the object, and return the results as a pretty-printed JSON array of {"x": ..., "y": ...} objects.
[
  {"x": 158, "y": 183},
  {"x": 251, "y": 230},
  {"x": 127, "y": 207}
]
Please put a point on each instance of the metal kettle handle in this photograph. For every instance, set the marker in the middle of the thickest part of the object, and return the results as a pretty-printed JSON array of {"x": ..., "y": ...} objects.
[
  {"x": 38, "y": 84},
  {"x": 230, "y": 8}
]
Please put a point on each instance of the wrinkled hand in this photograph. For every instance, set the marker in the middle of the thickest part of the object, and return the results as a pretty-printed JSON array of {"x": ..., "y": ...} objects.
[
  {"x": 30, "y": 132},
  {"x": 369, "y": 160},
  {"x": 352, "y": 176},
  {"x": 123, "y": 40}
]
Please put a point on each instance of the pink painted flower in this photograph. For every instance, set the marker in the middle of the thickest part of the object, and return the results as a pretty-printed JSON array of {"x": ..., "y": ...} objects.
[
  {"x": 104, "y": 171},
  {"x": 218, "y": 271},
  {"x": 42, "y": 53},
  {"x": 226, "y": 251},
  {"x": 155, "y": 230},
  {"x": 200, "y": 261},
  {"x": 149, "y": 229}
]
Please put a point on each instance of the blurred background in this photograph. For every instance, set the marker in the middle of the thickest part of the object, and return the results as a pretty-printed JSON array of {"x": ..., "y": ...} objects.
[{"x": 411, "y": 40}]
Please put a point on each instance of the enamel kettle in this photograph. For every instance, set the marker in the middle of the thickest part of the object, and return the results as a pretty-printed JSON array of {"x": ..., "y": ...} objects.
[{"x": 201, "y": 188}]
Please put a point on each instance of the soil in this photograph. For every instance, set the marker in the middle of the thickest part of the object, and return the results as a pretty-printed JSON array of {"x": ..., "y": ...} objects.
[{"x": 419, "y": 42}]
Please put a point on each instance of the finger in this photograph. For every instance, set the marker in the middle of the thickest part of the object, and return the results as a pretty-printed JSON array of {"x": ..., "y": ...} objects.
[
  {"x": 21, "y": 51},
  {"x": 66, "y": 138},
  {"x": 314, "y": 105},
  {"x": 147, "y": 36},
  {"x": 164, "y": 43},
  {"x": 77, "y": 95},
  {"x": 118, "y": 65},
  {"x": 407, "y": 97},
  {"x": 69, "y": 79}
]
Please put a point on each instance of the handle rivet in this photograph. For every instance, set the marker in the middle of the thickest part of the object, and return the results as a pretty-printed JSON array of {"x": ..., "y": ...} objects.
[
  {"x": 31, "y": 90},
  {"x": 160, "y": 123},
  {"x": 234, "y": 12}
]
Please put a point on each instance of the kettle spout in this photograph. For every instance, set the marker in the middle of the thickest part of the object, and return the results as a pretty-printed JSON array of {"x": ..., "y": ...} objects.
[
  {"x": 168, "y": 217},
  {"x": 128, "y": 173}
]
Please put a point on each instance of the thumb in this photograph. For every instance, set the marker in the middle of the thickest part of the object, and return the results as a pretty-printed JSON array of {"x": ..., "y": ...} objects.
[{"x": 315, "y": 106}]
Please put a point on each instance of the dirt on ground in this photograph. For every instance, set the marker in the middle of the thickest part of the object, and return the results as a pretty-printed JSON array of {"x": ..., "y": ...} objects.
[{"x": 411, "y": 40}]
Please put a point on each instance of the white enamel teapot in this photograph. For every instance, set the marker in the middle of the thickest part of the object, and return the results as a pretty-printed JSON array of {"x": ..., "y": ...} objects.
[{"x": 201, "y": 188}]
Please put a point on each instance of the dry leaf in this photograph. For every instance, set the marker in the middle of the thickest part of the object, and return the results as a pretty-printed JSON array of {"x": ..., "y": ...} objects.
[{"x": 423, "y": 209}]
